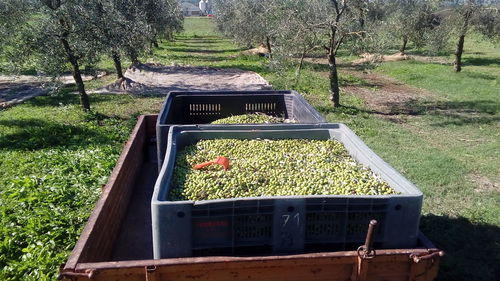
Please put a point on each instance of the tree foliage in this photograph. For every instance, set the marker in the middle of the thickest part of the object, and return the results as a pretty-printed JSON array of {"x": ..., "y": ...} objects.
[
  {"x": 295, "y": 26},
  {"x": 54, "y": 34},
  {"x": 466, "y": 15},
  {"x": 410, "y": 20},
  {"x": 247, "y": 21}
]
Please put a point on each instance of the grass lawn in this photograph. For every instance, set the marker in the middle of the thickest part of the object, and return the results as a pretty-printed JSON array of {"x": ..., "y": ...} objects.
[{"x": 54, "y": 158}]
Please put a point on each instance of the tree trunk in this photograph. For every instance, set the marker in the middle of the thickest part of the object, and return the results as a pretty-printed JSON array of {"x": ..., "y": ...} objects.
[
  {"x": 268, "y": 46},
  {"x": 403, "y": 46},
  {"x": 299, "y": 68},
  {"x": 334, "y": 80},
  {"x": 84, "y": 98},
  {"x": 150, "y": 47},
  {"x": 134, "y": 57},
  {"x": 361, "y": 21},
  {"x": 457, "y": 65},
  {"x": 118, "y": 64},
  {"x": 77, "y": 75}
]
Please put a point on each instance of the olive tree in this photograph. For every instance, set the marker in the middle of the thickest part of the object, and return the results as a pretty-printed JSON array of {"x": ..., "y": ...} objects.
[
  {"x": 294, "y": 37},
  {"x": 409, "y": 20},
  {"x": 55, "y": 33},
  {"x": 481, "y": 15},
  {"x": 326, "y": 24},
  {"x": 13, "y": 13},
  {"x": 247, "y": 21},
  {"x": 127, "y": 33},
  {"x": 296, "y": 26},
  {"x": 70, "y": 31},
  {"x": 175, "y": 19},
  {"x": 163, "y": 17},
  {"x": 334, "y": 22},
  {"x": 137, "y": 26}
]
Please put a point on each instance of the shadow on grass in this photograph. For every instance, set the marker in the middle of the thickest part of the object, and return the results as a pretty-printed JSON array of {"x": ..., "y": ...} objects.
[
  {"x": 57, "y": 100},
  {"x": 324, "y": 67},
  {"x": 455, "y": 112},
  {"x": 33, "y": 134},
  {"x": 198, "y": 41},
  {"x": 195, "y": 58},
  {"x": 488, "y": 61},
  {"x": 71, "y": 98},
  {"x": 477, "y": 75},
  {"x": 203, "y": 51},
  {"x": 472, "y": 249},
  {"x": 194, "y": 37},
  {"x": 347, "y": 110},
  {"x": 445, "y": 113},
  {"x": 249, "y": 67}
]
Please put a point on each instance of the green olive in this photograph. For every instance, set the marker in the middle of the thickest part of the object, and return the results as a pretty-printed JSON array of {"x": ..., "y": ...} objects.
[{"x": 271, "y": 168}]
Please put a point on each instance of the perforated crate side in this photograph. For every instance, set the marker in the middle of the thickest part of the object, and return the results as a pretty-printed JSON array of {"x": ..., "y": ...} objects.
[{"x": 207, "y": 106}]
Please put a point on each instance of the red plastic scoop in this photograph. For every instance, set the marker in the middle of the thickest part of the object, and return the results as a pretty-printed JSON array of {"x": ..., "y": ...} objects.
[{"x": 221, "y": 160}]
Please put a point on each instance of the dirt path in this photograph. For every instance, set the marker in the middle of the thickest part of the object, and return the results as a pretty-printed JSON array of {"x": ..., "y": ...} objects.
[
  {"x": 16, "y": 89},
  {"x": 160, "y": 79},
  {"x": 383, "y": 95},
  {"x": 148, "y": 78}
]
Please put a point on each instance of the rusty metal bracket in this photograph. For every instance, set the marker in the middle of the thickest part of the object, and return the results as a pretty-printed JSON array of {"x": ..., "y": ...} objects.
[
  {"x": 366, "y": 251},
  {"x": 425, "y": 256},
  {"x": 151, "y": 273},
  {"x": 70, "y": 275},
  {"x": 424, "y": 266}
]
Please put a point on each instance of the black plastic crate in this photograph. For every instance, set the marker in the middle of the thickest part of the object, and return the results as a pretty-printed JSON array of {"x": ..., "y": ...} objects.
[
  {"x": 281, "y": 224},
  {"x": 205, "y": 107}
]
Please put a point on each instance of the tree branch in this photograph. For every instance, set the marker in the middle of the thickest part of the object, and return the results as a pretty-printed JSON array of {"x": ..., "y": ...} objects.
[
  {"x": 339, "y": 42},
  {"x": 336, "y": 5},
  {"x": 52, "y": 4}
]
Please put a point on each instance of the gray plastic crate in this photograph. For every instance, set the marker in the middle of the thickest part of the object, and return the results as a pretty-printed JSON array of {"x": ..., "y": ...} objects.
[
  {"x": 207, "y": 106},
  {"x": 284, "y": 224}
]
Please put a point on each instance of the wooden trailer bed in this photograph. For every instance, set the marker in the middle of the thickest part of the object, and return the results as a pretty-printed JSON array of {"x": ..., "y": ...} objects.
[{"x": 116, "y": 243}]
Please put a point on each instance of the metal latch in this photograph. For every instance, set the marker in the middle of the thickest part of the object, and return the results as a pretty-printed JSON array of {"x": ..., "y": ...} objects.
[
  {"x": 425, "y": 256},
  {"x": 150, "y": 273},
  {"x": 366, "y": 251},
  {"x": 70, "y": 275}
]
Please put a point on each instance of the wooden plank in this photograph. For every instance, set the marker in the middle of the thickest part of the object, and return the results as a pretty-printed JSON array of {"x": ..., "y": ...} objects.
[
  {"x": 286, "y": 269},
  {"x": 382, "y": 256},
  {"x": 330, "y": 266},
  {"x": 150, "y": 124},
  {"x": 96, "y": 240}
]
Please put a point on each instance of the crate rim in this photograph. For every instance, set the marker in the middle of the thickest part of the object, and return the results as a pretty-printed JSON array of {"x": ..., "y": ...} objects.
[
  {"x": 168, "y": 99},
  {"x": 410, "y": 189}
]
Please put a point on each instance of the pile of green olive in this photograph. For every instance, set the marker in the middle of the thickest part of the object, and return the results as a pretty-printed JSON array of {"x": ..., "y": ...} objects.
[
  {"x": 263, "y": 167},
  {"x": 249, "y": 119}
]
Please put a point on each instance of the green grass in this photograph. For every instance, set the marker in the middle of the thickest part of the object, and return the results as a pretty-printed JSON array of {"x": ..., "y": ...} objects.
[
  {"x": 54, "y": 157},
  {"x": 199, "y": 27}
]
